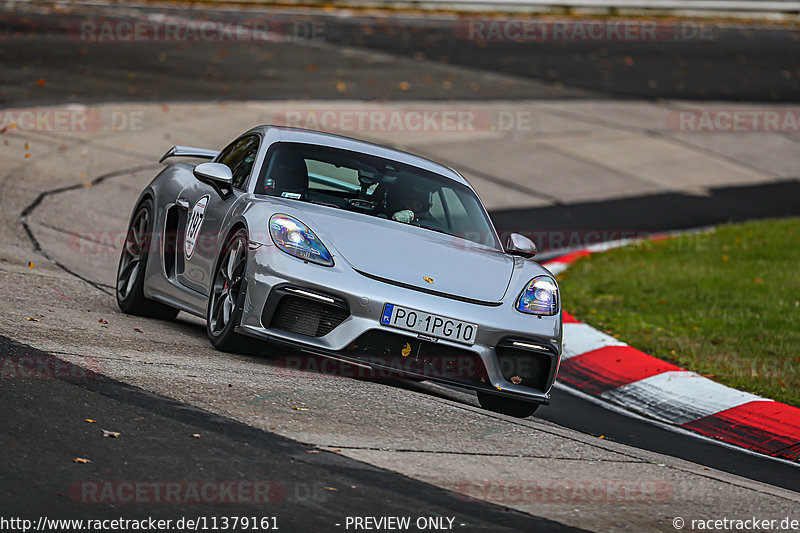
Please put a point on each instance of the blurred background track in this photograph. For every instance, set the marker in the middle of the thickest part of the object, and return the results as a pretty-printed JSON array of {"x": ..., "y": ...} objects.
[{"x": 689, "y": 60}]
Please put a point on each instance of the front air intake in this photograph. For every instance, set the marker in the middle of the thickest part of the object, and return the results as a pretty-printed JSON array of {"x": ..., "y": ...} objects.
[
  {"x": 303, "y": 312},
  {"x": 307, "y": 316},
  {"x": 525, "y": 363}
]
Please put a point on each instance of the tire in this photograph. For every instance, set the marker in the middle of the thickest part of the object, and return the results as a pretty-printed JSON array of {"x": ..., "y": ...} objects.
[
  {"x": 222, "y": 314},
  {"x": 132, "y": 267},
  {"x": 506, "y": 406}
]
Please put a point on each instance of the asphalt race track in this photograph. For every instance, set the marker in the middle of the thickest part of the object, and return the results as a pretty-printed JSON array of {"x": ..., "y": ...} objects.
[
  {"x": 301, "y": 485},
  {"x": 713, "y": 61},
  {"x": 384, "y": 448}
]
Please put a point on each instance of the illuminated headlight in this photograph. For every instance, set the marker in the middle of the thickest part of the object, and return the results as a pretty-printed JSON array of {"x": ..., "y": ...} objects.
[
  {"x": 294, "y": 238},
  {"x": 540, "y": 297}
]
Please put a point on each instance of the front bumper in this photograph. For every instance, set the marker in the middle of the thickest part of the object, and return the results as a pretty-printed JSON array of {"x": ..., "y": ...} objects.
[{"x": 514, "y": 354}]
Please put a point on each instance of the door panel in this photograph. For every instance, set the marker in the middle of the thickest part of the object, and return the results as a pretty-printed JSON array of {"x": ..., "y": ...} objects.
[
  {"x": 206, "y": 215},
  {"x": 204, "y": 219}
]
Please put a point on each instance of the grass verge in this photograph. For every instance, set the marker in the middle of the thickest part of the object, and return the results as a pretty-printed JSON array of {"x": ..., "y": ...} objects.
[{"x": 725, "y": 304}]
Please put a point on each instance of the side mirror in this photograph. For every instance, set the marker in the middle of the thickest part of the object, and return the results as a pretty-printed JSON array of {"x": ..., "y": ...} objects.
[
  {"x": 517, "y": 244},
  {"x": 214, "y": 174},
  {"x": 218, "y": 176}
]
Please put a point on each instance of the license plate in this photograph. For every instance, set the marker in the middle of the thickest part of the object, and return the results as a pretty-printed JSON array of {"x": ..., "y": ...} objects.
[{"x": 424, "y": 323}]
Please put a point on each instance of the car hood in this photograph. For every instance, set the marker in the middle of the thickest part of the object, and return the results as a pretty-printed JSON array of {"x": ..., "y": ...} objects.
[{"x": 408, "y": 255}]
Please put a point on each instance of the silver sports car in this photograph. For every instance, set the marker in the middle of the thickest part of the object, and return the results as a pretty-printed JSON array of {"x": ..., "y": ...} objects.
[{"x": 347, "y": 250}]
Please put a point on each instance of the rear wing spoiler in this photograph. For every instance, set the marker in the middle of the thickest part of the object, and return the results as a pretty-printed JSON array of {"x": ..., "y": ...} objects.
[{"x": 188, "y": 151}]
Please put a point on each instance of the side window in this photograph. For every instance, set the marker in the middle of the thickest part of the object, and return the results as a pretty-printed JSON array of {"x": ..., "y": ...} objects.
[
  {"x": 454, "y": 205},
  {"x": 328, "y": 176},
  {"x": 455, "y": 208},
  {"x": 464, "y": 211},
  {"x": 239, "y": 157},
  {"x": 437, "y": 209}
]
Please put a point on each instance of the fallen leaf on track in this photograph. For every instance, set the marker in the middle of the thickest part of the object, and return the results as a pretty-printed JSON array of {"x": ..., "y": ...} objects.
[
  {"x": 81, "y": 460},
  {"x": 88, "y": 420},
  {"x": 32, "y": 319},
  {"x": 299, "y": 408}
]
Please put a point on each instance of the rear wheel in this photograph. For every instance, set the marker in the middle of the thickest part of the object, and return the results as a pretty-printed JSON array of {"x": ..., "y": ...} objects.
[
  {"x": 132, "y": 265},
  {"x": 228, "y": 283},
  {"x": 506, "y": 406}
]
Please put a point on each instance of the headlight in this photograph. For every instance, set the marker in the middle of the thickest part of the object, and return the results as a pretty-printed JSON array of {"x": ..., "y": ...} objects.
[
  {"x": 294, "y": 238},
  {"x": 540, "y": 297}
]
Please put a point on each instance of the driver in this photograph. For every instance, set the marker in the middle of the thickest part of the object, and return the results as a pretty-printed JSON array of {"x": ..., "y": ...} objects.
[{"x": 414, "y": 205}]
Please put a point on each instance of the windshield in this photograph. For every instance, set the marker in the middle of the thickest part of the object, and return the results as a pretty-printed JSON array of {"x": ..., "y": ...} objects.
[{"x": 376, "y": 187}]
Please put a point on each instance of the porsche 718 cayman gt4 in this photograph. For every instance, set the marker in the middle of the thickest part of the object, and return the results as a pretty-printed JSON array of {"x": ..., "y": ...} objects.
[{"x": 345, "y": 249}]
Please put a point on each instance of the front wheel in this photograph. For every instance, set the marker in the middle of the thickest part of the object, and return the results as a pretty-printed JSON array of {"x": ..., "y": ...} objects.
[
  {"x": 506, "y": 406},
  {"x": 132, "y": 264},
  {"x": 228, "y": 284}
]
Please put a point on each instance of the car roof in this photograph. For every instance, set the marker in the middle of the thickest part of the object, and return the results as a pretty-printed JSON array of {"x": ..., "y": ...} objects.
[{"x": 288, "y": 134}]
